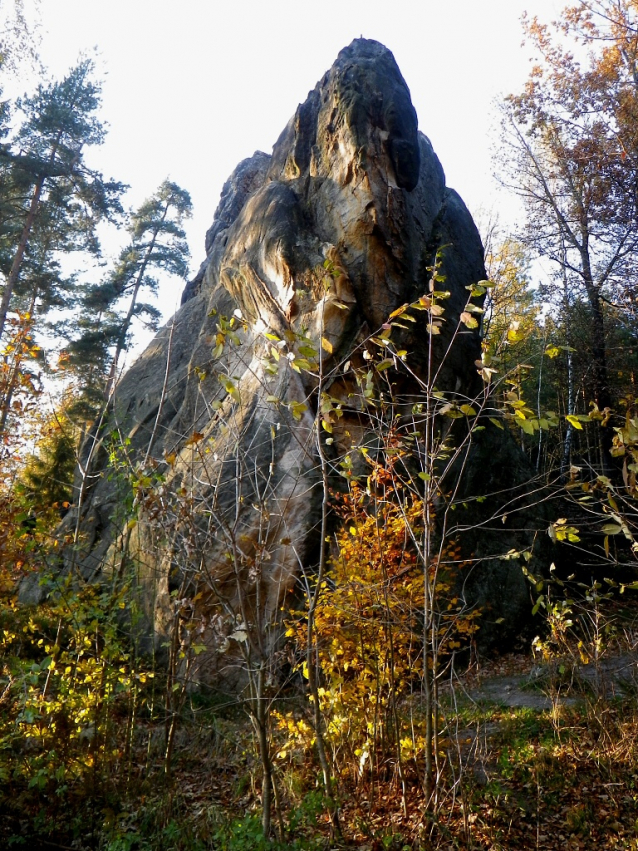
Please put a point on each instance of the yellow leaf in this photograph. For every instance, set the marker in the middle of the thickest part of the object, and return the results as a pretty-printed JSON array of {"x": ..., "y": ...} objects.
[
  {"x": 326, "y": 345},
  {"x": 399, "y": 311}
]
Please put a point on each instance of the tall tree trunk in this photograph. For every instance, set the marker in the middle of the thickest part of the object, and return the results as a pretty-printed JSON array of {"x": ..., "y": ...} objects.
[
  {"x": 602, "y": 394},
  {"x": 19, "y": 255},
  {"x": 14, "y": 273},
  {"x": 571, "y": 402},
  {"x": 121, "y": 341},
  {"x": 5, "y": 402}
]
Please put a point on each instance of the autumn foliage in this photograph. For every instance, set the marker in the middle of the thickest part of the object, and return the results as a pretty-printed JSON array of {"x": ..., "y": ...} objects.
[{"x": 370, "y": 634}]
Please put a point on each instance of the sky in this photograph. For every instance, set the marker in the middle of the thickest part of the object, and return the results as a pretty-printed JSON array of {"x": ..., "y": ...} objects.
[{"x": 193, "y": 87}]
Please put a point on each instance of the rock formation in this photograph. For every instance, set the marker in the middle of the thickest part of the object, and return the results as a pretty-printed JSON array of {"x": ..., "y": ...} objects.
[{"x": 215, "y": 419}]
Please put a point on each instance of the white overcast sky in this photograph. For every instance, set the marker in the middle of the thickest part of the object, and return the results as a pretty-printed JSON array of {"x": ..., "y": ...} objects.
[{"x": 193, "y": 87}]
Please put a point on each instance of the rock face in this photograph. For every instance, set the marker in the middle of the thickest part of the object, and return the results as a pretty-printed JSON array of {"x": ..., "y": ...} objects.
[{"x": 215, "y": 419}]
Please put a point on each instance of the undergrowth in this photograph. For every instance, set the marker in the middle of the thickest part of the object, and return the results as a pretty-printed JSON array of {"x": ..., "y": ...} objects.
[{"x": 565, "y": 775}]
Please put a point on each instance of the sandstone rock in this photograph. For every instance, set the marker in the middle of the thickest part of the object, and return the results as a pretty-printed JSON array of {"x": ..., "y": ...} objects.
[{"x": 218, "y": 428}]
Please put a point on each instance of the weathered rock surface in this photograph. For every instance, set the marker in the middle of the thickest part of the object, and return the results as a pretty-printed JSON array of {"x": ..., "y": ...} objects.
[{"x": 219, "y": 425}]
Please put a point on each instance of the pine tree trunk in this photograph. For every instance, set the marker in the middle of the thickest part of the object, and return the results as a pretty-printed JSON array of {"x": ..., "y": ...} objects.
[
  {"x": 19, "y": 255},
  {"x": 121, "y": 342},
  {"x": 26, "y": 233}
]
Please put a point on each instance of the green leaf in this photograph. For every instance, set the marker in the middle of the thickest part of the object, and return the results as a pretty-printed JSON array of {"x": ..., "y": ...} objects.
[{"x": 538, "y": 604}]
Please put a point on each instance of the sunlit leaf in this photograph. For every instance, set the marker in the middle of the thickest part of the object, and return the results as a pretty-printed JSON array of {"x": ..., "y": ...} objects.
[
  {"x": 468, "y": 320},
  {"x": 573, "y": 421}
]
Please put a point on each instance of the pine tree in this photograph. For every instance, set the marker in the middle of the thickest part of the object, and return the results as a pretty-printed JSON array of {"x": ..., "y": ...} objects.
[
  {"x": 19, "y": 36},
  {"x": 46, "y": 482},
  {"x": 52, "y": 201},
  {"x": 157, "y": 244}
]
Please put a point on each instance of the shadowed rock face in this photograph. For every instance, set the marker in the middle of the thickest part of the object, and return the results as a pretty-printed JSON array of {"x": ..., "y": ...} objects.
[{"x": 233, "y": 513}]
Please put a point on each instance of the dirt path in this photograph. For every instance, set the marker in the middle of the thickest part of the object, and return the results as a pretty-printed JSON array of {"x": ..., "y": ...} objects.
[{"x": 532, "y": 686}]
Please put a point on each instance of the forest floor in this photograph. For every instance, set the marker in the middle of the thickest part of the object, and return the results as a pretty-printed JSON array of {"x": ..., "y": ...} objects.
[
  {"x": 538, "y": 756},
  {"x": 536, "y": 753}
]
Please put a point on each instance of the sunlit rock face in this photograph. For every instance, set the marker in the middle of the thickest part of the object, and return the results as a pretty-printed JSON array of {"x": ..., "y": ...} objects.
[{"x": 228, "y": 494}]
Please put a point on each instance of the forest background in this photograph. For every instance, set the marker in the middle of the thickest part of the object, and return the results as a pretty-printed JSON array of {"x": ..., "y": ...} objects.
[{"x": 82, "y": 273}]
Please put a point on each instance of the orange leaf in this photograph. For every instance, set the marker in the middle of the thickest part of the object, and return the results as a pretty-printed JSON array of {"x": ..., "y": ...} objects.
[{"x": 195, "y": 437}]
